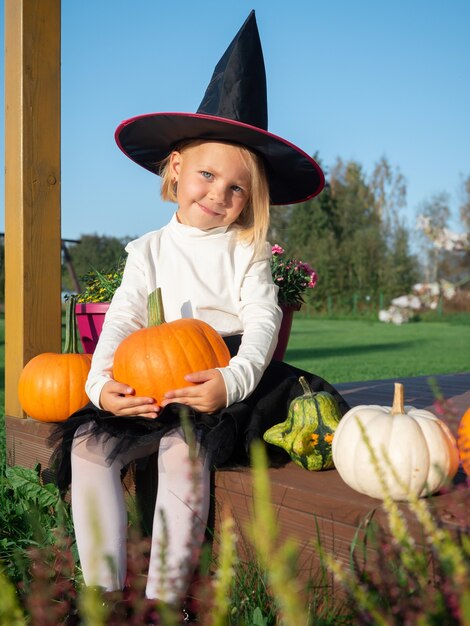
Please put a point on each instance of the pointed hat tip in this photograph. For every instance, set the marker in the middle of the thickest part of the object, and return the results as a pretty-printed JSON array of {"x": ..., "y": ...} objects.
[{"x": 251, "y": 17}]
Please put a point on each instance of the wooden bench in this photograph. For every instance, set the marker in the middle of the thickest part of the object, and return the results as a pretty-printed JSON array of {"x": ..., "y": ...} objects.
[{"x": 305, "y": 502}]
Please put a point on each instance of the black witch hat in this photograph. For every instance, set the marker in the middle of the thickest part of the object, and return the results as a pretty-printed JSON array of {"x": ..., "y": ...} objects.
[{"x": 234, "y": 109}]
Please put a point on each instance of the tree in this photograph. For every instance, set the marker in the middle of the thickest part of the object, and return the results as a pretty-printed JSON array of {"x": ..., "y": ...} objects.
[
  {"x": 437, "y": 210},
  {"x": 352, "y": 235},
  {"x": 358, "y": 229},
  {"x": 278, "y": 224},
  {"x": 461, "y": 261},
  {"x": 464, "y": 208},
  {"x": 401, "y": 270},
  {"x": 388, "y": 186}
]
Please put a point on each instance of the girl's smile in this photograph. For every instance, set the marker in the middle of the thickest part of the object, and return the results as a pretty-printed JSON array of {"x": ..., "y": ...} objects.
[
  {"x": 208, "y": 211},
  {"x": 213, "y": 184}
]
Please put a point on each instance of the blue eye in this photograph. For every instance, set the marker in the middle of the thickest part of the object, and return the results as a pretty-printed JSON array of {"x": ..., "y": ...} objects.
[
  {"x": 236, "y": 188},
  {"x": 205, "y": 174}
]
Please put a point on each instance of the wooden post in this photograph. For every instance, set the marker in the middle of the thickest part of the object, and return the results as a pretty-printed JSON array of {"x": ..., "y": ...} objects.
[{"x": 32, "y": 187}]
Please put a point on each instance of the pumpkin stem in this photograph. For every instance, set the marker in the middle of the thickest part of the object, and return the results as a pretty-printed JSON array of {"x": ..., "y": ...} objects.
[
  {"x": 156, "y": 315},
  {"x": 71, "y": 338},
  {"x": 305, "y": 386},
  {"x": 398, "y": 407}
]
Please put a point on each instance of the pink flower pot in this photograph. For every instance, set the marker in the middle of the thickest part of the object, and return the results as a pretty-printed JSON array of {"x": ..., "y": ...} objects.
[
  {"x": 284, "y": 332},
  {"x": 90, "y": 318}
]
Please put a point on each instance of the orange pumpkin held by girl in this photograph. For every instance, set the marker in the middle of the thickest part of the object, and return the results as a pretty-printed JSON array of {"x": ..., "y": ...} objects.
[{"x": 156, "y": 359}]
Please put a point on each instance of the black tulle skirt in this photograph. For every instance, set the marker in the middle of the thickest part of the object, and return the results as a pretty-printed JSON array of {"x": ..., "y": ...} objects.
[{"x": 225, "y": 435}]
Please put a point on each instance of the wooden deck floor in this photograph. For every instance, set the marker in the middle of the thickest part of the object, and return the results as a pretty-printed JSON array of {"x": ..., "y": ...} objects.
[{"x": 419, "y": 391}]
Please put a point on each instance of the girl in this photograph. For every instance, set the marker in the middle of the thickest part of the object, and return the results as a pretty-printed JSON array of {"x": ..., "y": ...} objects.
[{"x": 223, "y": 169}]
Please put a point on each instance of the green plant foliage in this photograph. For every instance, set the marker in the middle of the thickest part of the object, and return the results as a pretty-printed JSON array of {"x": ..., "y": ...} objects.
[
  {"x": 250, "y": 596},
  {"x": 30, "y": 514},
  {"x": 279, "y": 559},
  {"x": 93, "y": 251},
  {"x": 258, "y": 618},
  {"x": 224, "y": 572},
  {"x": 10, "y": 610},
  {"x": 100, "y": 286},
  {"x": 410, "y": 583},
  {"x": 29, "y": 489}
]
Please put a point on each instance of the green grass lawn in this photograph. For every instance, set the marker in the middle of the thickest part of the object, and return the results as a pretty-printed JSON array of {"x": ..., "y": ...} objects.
[{"x": 350, "y": 350}]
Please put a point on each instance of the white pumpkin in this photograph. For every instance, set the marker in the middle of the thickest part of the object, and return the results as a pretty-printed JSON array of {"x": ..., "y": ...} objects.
[{"x": 421, "y": 449}]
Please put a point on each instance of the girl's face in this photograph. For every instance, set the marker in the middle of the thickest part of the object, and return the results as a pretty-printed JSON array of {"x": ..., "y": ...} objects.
[{"x": 213, "y": 184}]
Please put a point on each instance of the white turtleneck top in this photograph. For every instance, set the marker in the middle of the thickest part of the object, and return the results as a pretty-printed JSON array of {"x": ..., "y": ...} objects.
[{"x": 207, "y": 275}]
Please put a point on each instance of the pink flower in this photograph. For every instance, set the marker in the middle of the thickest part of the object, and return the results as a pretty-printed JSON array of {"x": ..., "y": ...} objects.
[
  {"x": 306, "y": 267},
  {"x": 292, "y": 276},
  {"x": 313, "y": 280}
]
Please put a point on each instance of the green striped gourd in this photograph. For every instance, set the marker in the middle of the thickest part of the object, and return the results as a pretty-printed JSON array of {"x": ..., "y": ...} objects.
[{"x": 307, "y": 433}]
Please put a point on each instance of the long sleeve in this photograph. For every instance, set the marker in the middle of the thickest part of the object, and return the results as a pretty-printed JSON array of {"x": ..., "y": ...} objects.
[
  {"x": 261, "y": 318},
  {"x": 126, "y": 314},
  {"x": 208, "y": 275}
]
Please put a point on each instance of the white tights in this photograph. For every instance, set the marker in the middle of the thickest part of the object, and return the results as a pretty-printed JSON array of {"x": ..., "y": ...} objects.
[{"x": 100, "y": 515}]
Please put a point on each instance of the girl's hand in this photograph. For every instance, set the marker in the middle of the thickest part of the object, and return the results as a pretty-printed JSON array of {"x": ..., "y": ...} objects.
[
  {"x": 208, "y": 395},
  {"x": 118, "y": 399}
]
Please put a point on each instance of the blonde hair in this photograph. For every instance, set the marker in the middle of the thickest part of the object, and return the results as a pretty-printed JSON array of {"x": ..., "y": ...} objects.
[{"x": 253, "y": 221}]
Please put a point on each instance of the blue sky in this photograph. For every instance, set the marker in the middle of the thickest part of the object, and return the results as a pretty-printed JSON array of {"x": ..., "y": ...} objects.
[{"x": 356, "y": 80}]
